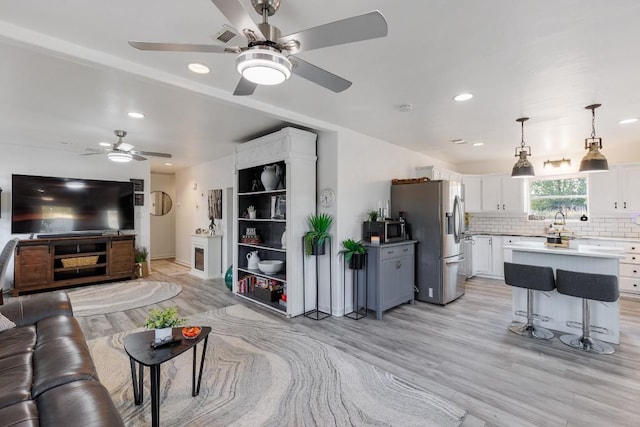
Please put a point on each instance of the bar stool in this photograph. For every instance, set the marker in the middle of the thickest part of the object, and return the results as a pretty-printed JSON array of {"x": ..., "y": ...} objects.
[
  {"x": 588, "y": 286},
  {"x": 532, "y": 278}
]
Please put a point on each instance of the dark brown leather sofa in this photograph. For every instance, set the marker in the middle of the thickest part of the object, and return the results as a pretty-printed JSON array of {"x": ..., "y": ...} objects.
[{"x": 47, "y": 376}]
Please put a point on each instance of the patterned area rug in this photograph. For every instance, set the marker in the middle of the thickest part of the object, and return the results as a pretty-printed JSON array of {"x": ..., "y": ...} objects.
[
  {"x": 120, "y": 296},
  {"x": 259, "y": 372}
]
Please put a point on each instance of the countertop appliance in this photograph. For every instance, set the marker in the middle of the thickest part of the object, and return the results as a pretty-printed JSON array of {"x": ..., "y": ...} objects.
[{"x": 434, "y": 213}]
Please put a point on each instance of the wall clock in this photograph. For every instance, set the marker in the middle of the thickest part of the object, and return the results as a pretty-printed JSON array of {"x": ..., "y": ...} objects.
[{"x": 327, "y": 197}]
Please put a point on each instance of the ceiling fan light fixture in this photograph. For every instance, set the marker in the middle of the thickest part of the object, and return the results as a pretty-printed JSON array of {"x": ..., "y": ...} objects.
[
  {"x": 594, "y": 160},
  {"x": 264, "y": 66},
  {"x": 120, "y": 156}
]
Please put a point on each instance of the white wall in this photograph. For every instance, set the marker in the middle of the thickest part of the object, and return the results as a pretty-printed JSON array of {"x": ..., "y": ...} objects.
[
  {"x": 360, "y": 169},
  {"x": 19, "y": 159},
  {"x": 192, "y": 187},
  {"x": 163, "y": 227}
]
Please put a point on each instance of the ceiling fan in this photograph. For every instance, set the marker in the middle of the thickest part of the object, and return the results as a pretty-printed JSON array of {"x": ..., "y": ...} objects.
[
  {"x": 123, "y": 152},
  {"x": 268, "y": 57}
]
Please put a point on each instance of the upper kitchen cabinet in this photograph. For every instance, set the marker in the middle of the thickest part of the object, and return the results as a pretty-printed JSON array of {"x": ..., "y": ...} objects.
[
  {"x": 613, "y": 191},
  {"x": 502, "y": 194},
  {"x": 435, "y": 173},
  {"x": 472, "y": 193}
]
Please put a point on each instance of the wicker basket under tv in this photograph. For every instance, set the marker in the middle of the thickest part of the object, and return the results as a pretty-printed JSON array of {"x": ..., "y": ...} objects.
[{"x": 81, "y": 261}]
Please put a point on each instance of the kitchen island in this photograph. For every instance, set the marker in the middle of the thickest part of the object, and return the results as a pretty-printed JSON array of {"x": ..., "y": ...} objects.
[{"x": 562, "y": 312}]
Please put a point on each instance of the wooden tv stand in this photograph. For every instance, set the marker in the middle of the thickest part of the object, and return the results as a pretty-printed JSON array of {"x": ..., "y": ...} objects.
[{"x": 58, "y": 262}]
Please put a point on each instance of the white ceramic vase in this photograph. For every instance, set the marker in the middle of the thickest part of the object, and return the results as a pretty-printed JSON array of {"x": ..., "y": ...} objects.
[
  {"x": 163, "y": 334},
  {"x": 283, "y": 239},
  {"x": 269, "y": 178}
]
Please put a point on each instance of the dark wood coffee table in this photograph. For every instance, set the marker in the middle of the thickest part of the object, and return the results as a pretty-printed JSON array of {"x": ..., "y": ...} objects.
[{"x": 138, "y": 347}]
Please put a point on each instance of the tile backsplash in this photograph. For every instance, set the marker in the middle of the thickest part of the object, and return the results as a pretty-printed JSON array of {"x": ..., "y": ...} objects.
[{"x": 596, "y": 226}]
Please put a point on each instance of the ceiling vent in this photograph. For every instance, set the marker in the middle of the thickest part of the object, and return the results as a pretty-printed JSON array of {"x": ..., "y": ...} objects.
[{"x": 226, "y": 34}]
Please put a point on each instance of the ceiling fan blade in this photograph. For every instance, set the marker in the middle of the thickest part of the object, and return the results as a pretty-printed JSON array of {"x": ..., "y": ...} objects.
[
  {"x": 183, "y": 47},
  {"x": 245, "y": 87},
  {"x": 92, "y": 154},
  {"x": 318, "y": 75},
  {"x": 138, "y": 158},
  {"x": 239, "y": 18},
  {"x": 150, "y": 153},
  {"x": 357, "y": 28}
]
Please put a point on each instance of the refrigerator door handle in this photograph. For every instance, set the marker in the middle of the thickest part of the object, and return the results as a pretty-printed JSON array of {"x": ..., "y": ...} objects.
[{"x": 455, "y": 262}]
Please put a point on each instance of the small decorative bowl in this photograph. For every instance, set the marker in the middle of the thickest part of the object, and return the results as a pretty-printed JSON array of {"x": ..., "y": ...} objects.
[
  {"x": 191, "y": 332},
  {"x": 270, "y": 266}
]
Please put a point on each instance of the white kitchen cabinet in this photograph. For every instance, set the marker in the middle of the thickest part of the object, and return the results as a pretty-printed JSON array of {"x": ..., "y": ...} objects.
[
  {"x": 436, "y": 173},
  {"x": 615, "y": 191},
  {"x": 481, "y": 255},
  {"x": 502, "y": 194},
  {"x": 488, "y": 259},
  {"x": 472, "y": 193}
]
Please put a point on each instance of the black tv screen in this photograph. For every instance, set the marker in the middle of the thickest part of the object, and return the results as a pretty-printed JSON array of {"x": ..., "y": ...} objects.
[{"x": 42, "y": 204}]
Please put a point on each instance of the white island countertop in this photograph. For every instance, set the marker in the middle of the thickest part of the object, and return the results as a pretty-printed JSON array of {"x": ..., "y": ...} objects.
[{"x": 581, "y": 250}]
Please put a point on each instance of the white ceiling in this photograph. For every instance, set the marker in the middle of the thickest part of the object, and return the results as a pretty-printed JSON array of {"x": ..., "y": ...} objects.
[{"x": 68, "y": 75}]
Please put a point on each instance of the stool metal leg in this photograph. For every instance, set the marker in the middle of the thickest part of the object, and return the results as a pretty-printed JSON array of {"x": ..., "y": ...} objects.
[
  {"x": 528, "y": 329},
  {"x": 585, "y": 342}
]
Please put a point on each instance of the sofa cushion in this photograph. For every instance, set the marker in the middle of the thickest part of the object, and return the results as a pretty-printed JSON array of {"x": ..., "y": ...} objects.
[
  {"x": 23, "y": 414},
  {"x": 5, "y": 323},
  {"x": 55, "y": 327},
  {"x": 15, "y": 379},
  {"x": 59, "y": 361},
  {"x": 79, "y": 404},
  {"x": 17, "y": 340}
]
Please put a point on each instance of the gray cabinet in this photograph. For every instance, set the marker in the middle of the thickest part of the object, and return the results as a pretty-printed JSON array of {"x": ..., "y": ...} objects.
[{"x": 391, "y": 275}]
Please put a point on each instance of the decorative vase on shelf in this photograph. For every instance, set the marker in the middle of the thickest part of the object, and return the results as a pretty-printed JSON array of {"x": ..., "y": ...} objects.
[
  {"x": 163, "y": 334},
  {"x": 283, "y": 239},
  {"x": 269, "y": 178}
]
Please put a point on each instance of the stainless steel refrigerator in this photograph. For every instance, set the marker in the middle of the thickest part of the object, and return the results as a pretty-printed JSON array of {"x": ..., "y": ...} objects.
[{"x": 434, "y": 214}]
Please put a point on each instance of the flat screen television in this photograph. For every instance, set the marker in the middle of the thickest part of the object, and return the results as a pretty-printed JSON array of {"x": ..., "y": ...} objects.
[{"x": 43, "y": 204}]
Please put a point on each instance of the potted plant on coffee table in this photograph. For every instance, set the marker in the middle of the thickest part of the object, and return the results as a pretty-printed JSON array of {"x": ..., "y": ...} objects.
[
  {"x": 163, "y": 321},
  {"x": 314, "y": 239},
  {"x": 353, "y": 254},
  {"x": 142, "y": 263}
]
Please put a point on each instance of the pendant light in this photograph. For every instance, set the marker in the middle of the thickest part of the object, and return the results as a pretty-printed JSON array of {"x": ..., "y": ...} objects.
[
  {"x": 593, "y": 161},
  {"x": 523, "y": 167}
]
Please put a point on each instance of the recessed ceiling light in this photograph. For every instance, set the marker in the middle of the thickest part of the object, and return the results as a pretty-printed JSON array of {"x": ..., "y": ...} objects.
[
  {"x": 168, "y": 164},
  {"x": 198, "y": 68},
  {"x": 105, "y": 144},
  {"x": 463, "y": 97},
  {"x": 459, "y": 141},
  {"x": 136, "y": 115},
  {"x": 478, "y": 144},
  {"x": 628, "y": 121}
]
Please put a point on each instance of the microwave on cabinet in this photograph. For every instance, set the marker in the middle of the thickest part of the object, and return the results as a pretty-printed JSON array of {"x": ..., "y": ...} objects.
[{"x": 388, "y": 231}]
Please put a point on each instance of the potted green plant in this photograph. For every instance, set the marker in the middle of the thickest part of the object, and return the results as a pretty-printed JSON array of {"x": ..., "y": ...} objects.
[
  {"x": 163, "y": 321},
  {"x": 142, "y": 263},
  {"x": 353, "y": 254},
  {"x": 314, "y": 239},
  {"x": 372, "y": 215}
]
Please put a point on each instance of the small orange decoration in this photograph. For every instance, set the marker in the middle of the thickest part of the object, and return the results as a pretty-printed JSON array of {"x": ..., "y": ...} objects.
[{"x": 190, "y": 332}]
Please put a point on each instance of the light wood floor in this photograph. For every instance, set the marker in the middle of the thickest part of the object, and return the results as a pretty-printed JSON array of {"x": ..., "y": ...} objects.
[{"x": 462, "y": 351}]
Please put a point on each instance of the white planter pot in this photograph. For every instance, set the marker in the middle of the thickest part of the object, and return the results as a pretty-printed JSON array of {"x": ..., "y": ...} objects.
[{"x": 163, "y": 334}]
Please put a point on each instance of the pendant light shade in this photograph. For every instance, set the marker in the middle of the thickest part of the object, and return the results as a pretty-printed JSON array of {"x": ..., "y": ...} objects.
[
  {"x": 594, "y": 160},
  {"x": 523, "y": 167}
]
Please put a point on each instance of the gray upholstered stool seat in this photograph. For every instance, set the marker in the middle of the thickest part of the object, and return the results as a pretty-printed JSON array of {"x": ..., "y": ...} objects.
[
  {"x": 588, "y": 286},
  {"x": 532, "y": 278}
]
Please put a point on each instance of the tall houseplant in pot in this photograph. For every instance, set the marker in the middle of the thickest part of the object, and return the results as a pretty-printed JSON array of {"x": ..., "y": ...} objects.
[
  {"x": 314, "y": 239},
  {"x": 353, "y": 254},
  {"x": 142, "y": 262}
]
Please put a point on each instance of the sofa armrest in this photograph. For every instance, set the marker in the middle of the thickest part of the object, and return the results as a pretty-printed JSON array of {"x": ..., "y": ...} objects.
[{"x": 30, "y": 310}]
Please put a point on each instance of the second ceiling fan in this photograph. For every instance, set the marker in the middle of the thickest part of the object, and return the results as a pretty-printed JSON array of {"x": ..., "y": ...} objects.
[{"x": 268, "y": 57}]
